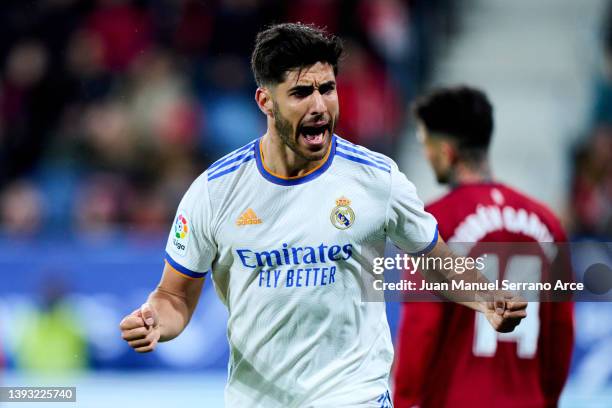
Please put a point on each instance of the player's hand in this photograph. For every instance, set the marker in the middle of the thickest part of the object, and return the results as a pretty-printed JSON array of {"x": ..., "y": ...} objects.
[
  {"x": 505, "y": 312},
  {"x": 141, "y": 329}
]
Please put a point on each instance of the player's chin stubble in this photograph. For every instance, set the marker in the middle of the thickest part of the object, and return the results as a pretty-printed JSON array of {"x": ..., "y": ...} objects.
[
  {"x": 444, "y": 176},
  {"x": 289, "y": 135}
]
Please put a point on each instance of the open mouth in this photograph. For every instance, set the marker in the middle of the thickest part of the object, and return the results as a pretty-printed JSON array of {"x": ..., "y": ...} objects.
[{"x": 314, "y": 135}]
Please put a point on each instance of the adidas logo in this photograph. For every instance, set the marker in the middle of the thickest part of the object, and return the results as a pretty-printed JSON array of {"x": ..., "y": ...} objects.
[{"x": 248, "y": 218}]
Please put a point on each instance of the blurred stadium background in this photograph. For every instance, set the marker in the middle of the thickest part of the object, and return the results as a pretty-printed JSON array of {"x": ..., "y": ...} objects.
[{"x": 110, "y": 108}]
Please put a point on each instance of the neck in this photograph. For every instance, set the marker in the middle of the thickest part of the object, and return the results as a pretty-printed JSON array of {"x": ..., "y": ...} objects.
[
  {"x": 471, "y": 173},
  {"x": 280, "y": 160}
]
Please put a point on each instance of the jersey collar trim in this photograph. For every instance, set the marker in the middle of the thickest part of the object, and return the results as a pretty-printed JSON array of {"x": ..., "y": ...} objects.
[{"x": 292, "y": 181}]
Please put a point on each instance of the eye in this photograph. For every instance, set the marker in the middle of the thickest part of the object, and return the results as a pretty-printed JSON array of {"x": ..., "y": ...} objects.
[
  {"x": 301, "y": 92},
  {"x": 327, "y": 88}
]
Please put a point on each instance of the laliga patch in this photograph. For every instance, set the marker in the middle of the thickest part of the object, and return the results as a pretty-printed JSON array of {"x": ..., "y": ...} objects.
[{"x": 181, "y": 232}]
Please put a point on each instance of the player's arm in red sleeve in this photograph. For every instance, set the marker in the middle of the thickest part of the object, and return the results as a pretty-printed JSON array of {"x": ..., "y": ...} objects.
[
  {"x": 418, "y": 336},
  {"x": 556, "y": 333}
]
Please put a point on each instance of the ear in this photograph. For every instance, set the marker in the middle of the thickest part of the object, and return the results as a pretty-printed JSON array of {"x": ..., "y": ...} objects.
[{"x": 264, "y": 101}]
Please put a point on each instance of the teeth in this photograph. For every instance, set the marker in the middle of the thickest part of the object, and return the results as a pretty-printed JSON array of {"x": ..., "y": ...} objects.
[
  {"x": 313, "y": 130},
  {"x": 314, "y": 138}
]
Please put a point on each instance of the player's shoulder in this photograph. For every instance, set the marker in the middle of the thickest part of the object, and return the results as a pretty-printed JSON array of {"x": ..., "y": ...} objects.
[
  {"x": 492, "y": 192},
  {"x": 440, "y": 202},
  {"x": 460, "y": 197},
  {"x": 230, "y": 163},
  {"x": 363, "y": 159},
  {"x": 213, "y": 182},
  {"x": 518, "y": 198},
  {"x": 464, "y": 199}
]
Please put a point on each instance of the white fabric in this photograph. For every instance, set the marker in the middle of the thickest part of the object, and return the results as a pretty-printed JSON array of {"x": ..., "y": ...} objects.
[{"x": 299, "y": 333}]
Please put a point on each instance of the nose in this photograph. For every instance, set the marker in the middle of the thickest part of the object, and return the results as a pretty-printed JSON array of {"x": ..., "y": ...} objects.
[{"x": 318, "y": 105}]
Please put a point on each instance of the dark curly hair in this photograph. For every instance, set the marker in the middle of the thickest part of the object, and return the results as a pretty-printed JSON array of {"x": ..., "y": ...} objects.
[
  {"x": 461, "y": 113},
  {"x": 283, "y": 47}
]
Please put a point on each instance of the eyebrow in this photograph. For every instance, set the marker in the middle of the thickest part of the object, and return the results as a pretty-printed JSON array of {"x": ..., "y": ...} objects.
[{"x": 310, "y": 87}]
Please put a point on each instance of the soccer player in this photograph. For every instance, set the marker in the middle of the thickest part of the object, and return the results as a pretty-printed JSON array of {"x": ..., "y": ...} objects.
[
  {"x": 446, "y": 357},
  {"x": 287, "y": 225}
]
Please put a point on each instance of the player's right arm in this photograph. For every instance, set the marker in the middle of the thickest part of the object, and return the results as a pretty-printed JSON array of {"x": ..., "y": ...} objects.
[
  {"x": 175, "y": 300},
  {"x": 190, "y": 252},
  {"x": 165, "y": 314}
]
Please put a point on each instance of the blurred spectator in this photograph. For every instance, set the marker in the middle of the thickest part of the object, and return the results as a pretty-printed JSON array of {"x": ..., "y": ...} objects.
[
  {"x": 21, "y": 209},
  {"x": 237, "y": 22},
  {"x": 87, "y": 78},
  {"x": 112, "y": 107},
  {"x": 322, "y": 13},
  {"x": 592, "y": 188},
  {"x": 591, "y": 193},
  {"x": 149, "y": 210},
  {"x": 602, "y": 103},
  {"x": 109, "y": 140},
  {"x": 387, "y": 23},
  {"x": 100, "y": 203},
  {"x": 388, "y": 27},
  {"x": 51, "y": 341},
  {"x": 232, "y": 119},
  {"x": 370, "y": 113},
  {"x": 194, "y": 29},
  {"x": 21, "y": 105},
  {"x": 124, "y": 30},
  {"x": 161, "y": 110}
]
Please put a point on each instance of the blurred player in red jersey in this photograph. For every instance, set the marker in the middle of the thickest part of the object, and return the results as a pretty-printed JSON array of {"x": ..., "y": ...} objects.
[{"x": 445, "y": 357}]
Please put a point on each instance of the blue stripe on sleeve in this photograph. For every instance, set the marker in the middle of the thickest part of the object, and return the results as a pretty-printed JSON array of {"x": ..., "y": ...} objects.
[
  {"x": 429, "y": 247},
  {"x": 231, "y": 169},
  {"x": 363, "y": 161},
  {"x": 233, "y": 160},
  {"x": 228, "y": 159},
  {"x": 379, "y": 156},
  {"x": 185, "y": 271},
  {"x": 348, "y": 148}
]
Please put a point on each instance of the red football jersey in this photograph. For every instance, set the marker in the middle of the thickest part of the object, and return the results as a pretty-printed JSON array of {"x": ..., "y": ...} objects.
[{"x": 449, "y": 356}]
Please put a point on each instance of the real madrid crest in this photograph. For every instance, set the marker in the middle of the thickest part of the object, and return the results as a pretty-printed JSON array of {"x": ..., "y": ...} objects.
[{"x": 342, "y": 216}]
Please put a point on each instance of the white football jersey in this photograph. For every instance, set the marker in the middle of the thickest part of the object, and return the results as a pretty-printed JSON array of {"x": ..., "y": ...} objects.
[{"x": 291, "y": 259}]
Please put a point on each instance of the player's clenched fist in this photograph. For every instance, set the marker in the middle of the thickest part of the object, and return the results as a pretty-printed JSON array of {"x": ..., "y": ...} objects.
[
  {"x": 141, "y": 329},
  {"x": 505, "y": 312}
]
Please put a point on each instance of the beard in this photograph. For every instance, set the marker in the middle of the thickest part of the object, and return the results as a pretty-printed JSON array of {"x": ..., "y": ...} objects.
[
  {"x": 443, "y": 177},
  {"x": 289, "y": 136}
]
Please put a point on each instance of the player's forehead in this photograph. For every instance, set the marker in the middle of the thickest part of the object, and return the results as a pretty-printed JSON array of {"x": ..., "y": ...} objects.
[{"x": 313, "y": 75}]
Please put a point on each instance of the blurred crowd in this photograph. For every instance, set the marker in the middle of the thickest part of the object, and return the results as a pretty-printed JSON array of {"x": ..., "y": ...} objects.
[
  {"x": 591, "y": 193},
  {"x": 110, "y": 108}
]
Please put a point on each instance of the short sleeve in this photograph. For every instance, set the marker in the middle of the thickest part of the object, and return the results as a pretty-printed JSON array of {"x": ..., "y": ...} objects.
[
  {"x": 190, "y": 248},
  {"x": 409, "y": 226}
]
